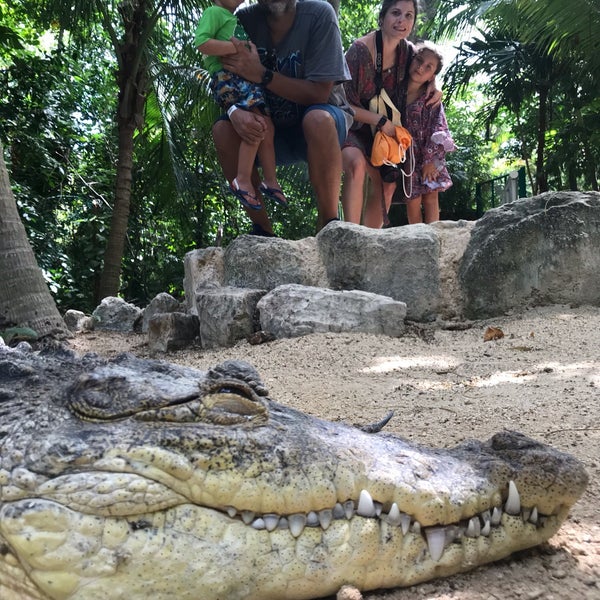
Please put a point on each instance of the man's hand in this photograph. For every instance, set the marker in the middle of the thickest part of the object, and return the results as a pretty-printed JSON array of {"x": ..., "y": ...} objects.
[
  {"x": 245, "y": 62},
  {"x": 250, "y": 126}
]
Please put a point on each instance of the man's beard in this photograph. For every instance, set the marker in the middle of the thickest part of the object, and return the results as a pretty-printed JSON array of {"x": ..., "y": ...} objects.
[{"x": 278, "y": 8}]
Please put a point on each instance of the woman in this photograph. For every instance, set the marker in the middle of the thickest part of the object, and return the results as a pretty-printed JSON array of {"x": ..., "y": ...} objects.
[
  {"x": 431, "y": 138},
  {"x": 396, "y": 21}
]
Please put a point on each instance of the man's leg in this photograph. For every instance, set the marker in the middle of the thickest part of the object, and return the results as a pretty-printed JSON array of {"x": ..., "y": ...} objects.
[
  {"x": 324, "y": 162},
  {"x": 227, "y": 144}
]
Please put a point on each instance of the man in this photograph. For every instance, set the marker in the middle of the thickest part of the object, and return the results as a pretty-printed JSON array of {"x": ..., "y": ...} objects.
[{"x": 297, "y": 56}]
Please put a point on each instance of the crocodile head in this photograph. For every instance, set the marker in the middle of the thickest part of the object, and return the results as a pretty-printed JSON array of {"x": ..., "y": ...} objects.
[{"x": 129, "y": 478}]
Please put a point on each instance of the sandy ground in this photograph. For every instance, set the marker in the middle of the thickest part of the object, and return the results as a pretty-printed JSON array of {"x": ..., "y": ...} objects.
[{"x": 541, "y": 378}]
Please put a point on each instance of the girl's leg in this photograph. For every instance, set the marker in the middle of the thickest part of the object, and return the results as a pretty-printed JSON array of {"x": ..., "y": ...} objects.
[
  {"x": 354, "y": 165},
  {"x": 413, "y": 211},
  {"x": 431, "y": 205}
]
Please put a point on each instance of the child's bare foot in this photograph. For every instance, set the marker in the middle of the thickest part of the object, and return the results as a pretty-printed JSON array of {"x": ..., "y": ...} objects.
[{"x": 273, "y": 192}]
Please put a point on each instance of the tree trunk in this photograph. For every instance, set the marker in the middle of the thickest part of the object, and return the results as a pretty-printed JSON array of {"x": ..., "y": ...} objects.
[
  {"x": 132, "y": 81},
  {"x": 25, "y": 300},
  {"x": 541, "y": 177}
]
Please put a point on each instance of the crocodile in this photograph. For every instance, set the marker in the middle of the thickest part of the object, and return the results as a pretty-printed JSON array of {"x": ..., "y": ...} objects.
[{"x": 131, "y": 478}]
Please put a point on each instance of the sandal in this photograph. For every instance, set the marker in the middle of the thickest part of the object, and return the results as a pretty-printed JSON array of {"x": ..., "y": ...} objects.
[
  {"x": 274, "y": 194},
  {"x": 246, "y": 198}
]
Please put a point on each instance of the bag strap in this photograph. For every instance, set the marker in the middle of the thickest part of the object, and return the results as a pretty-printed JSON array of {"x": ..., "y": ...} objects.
[{"x": 378, "y": 60}]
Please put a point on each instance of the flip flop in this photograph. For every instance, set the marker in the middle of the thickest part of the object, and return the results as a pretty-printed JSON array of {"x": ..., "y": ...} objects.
[
  {"x": 246, "y": 198},
  {"x": 274, "y": 194}
]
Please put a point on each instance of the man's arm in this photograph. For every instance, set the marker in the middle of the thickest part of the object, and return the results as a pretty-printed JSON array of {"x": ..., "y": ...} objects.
[{"x": 246, "y": 63}]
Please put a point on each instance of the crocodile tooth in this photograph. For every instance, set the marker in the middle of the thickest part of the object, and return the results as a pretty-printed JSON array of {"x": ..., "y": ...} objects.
[
  {"x": 325, "y": 518},
  {"x": 526, "y": 513},
  {"x": 416, "y": 527},
  {"x": 248, "y": 516},
  {"x": 258, "y": 523},
  {"x": 513, "y": 502},
  {"x": 312, "y": 519},
  {"x": 271, "y": 521},
  {"x": 486, "y": 519},
  {"x": 338, "y": 511},
  {"x": 473, "y": 528},
  {"x": 283, "y": 523},
  {"x": 378, "y": 508},
  {"x": 297, "y": 523},
  {"x": 349, "y": 509},
  {"x": 496, "y": 516},
  {"x": 365, "y": 508},
  {"x": 405, "y": 523},
  {"x": 486, "y": 529},
  {"x": 436, "y": 540},
  {"x": 533, "y": 518},
  {"x": 393, "y": 517},
  {"x": 231, "y": 511}
]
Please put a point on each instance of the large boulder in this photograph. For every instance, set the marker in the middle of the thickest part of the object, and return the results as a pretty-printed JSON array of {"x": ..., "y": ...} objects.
[
  {"x": 294, "y": 310},
  {"x": 400, "y": 262},
  {"x": 540, "y": 250}
]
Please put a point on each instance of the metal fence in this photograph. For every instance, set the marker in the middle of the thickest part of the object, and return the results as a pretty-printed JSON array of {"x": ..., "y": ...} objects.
[{"x": 505, "y": 188}]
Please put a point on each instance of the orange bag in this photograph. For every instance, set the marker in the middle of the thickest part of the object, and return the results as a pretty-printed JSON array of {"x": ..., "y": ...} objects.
[{"x": 388, "y": 150}]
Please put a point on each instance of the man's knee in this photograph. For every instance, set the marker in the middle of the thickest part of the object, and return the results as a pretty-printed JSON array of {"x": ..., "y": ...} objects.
[{"x": 317, "y": 124}]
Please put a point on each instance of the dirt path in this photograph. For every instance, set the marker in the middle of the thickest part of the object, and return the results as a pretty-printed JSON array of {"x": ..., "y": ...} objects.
[{"x": 541, "y": 378}]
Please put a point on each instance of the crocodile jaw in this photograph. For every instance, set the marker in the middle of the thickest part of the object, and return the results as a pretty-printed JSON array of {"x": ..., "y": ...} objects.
[{"x": 177, "y": 552}]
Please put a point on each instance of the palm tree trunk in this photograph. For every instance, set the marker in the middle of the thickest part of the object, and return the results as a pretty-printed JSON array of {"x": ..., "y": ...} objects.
[
  {"x": 25, "y": 300},
  {"x": 132, "y": 81}
]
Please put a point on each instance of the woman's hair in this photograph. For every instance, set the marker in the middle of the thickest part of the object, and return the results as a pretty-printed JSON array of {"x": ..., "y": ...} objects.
[
  {"x": 430, "y": 47},
  {"x": 387, "y": 4}
]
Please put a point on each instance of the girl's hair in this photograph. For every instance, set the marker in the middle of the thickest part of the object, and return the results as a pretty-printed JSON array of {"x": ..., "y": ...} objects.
[
  {"x": 430, "y": 47},
  {"x": 387, "y": 4}
]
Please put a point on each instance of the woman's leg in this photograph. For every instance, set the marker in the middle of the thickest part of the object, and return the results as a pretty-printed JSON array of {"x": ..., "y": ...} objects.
[
  {"x": 379, "y": 200},
  {"x": 354, "y": 164}
]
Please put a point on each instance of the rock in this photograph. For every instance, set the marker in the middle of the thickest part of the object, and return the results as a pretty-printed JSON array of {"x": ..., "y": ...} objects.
[
  {"x": 537, "y": 251},
  {"x": 202, "y": 268},
  {"x": 75, "y": 320},
  {"x": 163, "y": 303},
  {"x": 172, "y": 331},
  {"x": 226, "y": 315},
  {"x": 114, "y": 314},
  {"x": 400, "y": 262},
  {"x": 265, "y": 263},
  {"x": 294, "y": 310},
  {"x": 541, "y": 250}
]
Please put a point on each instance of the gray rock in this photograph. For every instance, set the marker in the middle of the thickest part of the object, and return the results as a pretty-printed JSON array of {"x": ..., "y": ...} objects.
[
  {"x": 226, "y": 315},
  {"x": 265, "y": 263},
  {"x": 114, "y": 314},
  {"x": 75, "y": 320},
  {"x": 541, "y": 250},
  {"x": 172, "y": 331},
  {"x": 162, "y": 303},
  {"x": 202, "y": 269},
  {"x": 294, "y": 310},
  {"x": 399, "y": 262}
]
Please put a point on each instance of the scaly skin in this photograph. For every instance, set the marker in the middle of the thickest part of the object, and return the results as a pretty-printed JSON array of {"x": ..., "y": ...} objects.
[{"x": 139, "y": 479}]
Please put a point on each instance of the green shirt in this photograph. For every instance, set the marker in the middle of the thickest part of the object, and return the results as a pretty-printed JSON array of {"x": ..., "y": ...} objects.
[{"x": 217, "y": 23}]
